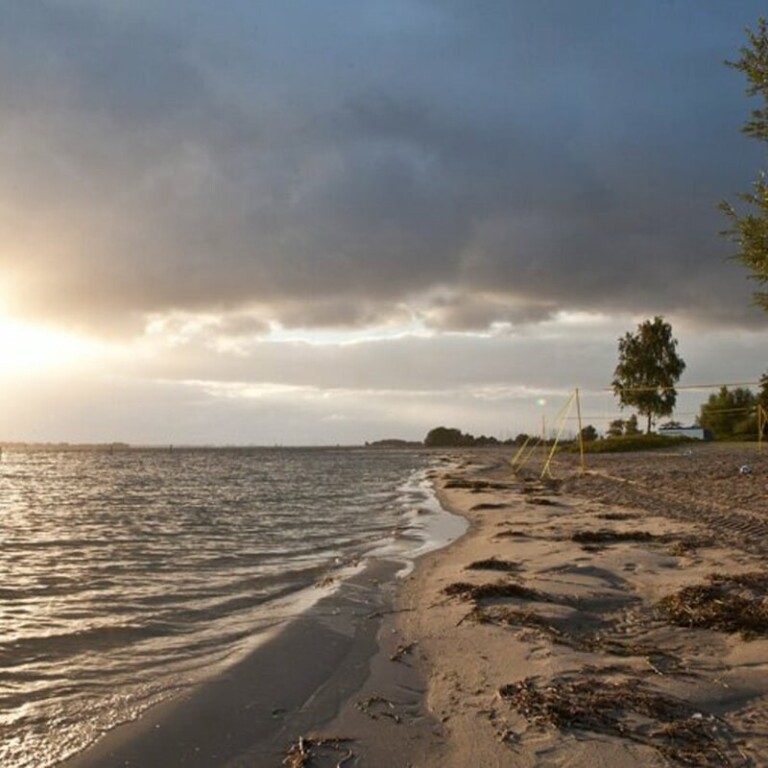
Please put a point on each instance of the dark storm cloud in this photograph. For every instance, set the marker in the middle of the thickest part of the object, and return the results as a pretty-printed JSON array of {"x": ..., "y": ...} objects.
[{"x": 325, "y": 164}]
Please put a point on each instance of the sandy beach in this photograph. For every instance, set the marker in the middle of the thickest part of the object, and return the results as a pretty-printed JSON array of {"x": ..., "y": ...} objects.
[
  {"x": 615, "y": 618},
  {"x": 610, "y": 618}
]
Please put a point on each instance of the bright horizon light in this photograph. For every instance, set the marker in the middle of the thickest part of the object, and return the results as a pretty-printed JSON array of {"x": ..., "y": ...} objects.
[{"x": 26, "y": 348}]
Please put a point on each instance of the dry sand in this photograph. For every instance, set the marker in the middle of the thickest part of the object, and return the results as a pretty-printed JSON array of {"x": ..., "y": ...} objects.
[{"x": 555, "y": 652}]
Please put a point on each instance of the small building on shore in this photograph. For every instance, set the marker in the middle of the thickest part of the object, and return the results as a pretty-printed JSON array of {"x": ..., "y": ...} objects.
[{"x": 694, "y": 432}]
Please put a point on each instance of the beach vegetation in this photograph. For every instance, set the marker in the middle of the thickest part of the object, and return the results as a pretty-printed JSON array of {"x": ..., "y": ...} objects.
[
  {"x": 621, "y": 427},
  {"x": 588, "y": 433},
  {"x": 648, "y": 369},
  {"x": 730, "y": 414},
  {"x": 450, "y": 437},
  {"x": 748, "y": 224}
]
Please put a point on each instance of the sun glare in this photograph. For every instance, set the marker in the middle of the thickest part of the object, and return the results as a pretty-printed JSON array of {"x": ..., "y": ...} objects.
[{"x": 28, "y": 349}]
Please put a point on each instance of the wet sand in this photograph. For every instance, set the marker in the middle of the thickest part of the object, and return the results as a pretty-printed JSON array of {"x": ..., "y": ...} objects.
[{"x": 249, "y": 715}]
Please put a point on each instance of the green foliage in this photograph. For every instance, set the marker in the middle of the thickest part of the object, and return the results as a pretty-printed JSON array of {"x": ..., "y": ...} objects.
[
  {"x": 445, "y": 437},
  {"x": 630, "y": 426},
  {"x": 623, "y": 427},
  {"x": 648, "y": 369},
  {"x": 448, "y": 437},
  {"x": 730, "y": 414},
  {"x": 749, "y": 228},
  {"x": 588, "y": 434},
  {"x": 762, "y": 395}
]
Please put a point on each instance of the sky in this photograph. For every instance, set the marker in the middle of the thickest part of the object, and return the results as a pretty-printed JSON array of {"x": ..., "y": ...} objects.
[{"x": 298, "y": 222}]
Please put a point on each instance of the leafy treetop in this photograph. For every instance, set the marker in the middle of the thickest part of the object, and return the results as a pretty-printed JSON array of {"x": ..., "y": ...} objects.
[
  {"x": 648, "y": 369},
  {"x": 749, "y": 229}
]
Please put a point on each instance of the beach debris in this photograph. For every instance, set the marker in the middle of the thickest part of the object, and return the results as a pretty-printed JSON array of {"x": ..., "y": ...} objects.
[
  {"x": 626, "y": 709},
  {"x": 597, "y": 642},
  {"x": 504, "y": 616},
  {"x": 605, "y": 536},
  {"x": 728, "y": 603},
  {"x": 404, "y": 649},
  {"x": 745, "y": 469},
  {"x": 307, "y": 749},
  {"x": 489, "y": 505},
  {"x": 687, "y": 545},
  {"x": 379, "y": 706},
  {"x": 541, "y": 501},
  {"x": 616, "y": 516},
  {"x": 475, "y": 486},
  {"x": 467, "y": 591},
  {"x": 493, "y": 564},
  {"x": 510, "y": 534}
]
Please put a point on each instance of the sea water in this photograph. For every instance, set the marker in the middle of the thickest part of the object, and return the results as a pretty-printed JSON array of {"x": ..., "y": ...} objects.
[{"x": 126, "y": 577}]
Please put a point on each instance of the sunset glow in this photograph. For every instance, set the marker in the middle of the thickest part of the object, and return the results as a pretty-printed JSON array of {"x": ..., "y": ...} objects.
[{"x": 30, "y": 349}]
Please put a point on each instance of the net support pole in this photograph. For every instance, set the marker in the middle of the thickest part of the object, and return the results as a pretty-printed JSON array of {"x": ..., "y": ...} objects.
[{"x": 582, "y": 461}]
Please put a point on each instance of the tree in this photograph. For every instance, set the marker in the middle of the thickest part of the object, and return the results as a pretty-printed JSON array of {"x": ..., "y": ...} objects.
[
  {"x": 615, "y": 428},
  {"x": 749, "y": 229},
  {"x": 762, "y": 395},
  {"x": 648, "y": 369},
  {"x": 588, "y": 434},
  {"x": 444, "y": 437},
  {"x": 630, "y": 426},
  {"x": 730, "y": 413}
]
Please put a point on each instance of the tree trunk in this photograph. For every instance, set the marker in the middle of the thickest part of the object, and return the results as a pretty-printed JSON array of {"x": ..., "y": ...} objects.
[{"x": 648, "y": 431}]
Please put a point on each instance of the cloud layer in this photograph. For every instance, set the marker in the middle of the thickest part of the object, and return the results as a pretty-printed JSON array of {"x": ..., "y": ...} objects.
[{"x": 357, "y": 164}]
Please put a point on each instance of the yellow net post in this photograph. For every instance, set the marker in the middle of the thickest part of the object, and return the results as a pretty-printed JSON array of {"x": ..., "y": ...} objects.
[
  {"x": 520, "y": 451},
  {"x": 524, "y": 459},
  {"x": 761, "y": 421},
  {"x": 581, "y": 435},
  {"x": 563, "y": 415}
]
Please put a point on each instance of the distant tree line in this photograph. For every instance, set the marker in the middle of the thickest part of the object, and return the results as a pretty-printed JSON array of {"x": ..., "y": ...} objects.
[
  {"x": 731, "y": 414},
  {"x": 450, "y": 437}
]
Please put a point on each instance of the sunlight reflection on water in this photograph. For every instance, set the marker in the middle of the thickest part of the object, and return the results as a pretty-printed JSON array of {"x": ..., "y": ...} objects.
[{"x": 126, "y": 574}]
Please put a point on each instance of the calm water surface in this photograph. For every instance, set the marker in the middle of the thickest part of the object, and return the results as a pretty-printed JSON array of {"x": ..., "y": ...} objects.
[{"x": 125, "y": 576}]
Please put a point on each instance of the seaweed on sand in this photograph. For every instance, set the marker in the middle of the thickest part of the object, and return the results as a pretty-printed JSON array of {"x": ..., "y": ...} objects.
[
  {"x": 616, "y": 516},
  {"x": 541, "y": 501},
  {"x": 379, "y": 706},
  {"x": 597, "y": 642},
  {"x": 504, "y": 616},
  {"x": 627, "y": 709},
  {"x": 498, "y": 589},
  {"x": 687, "y": 545},
  {"x": 736, "y": 603},
  {"x": 610, "y": 537},
  {"x": 305, "y": 750},
  {"x": 511, "y": 535},
  {"x": 493, "y": 564},
  {"x": 475, "y": 486}
]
